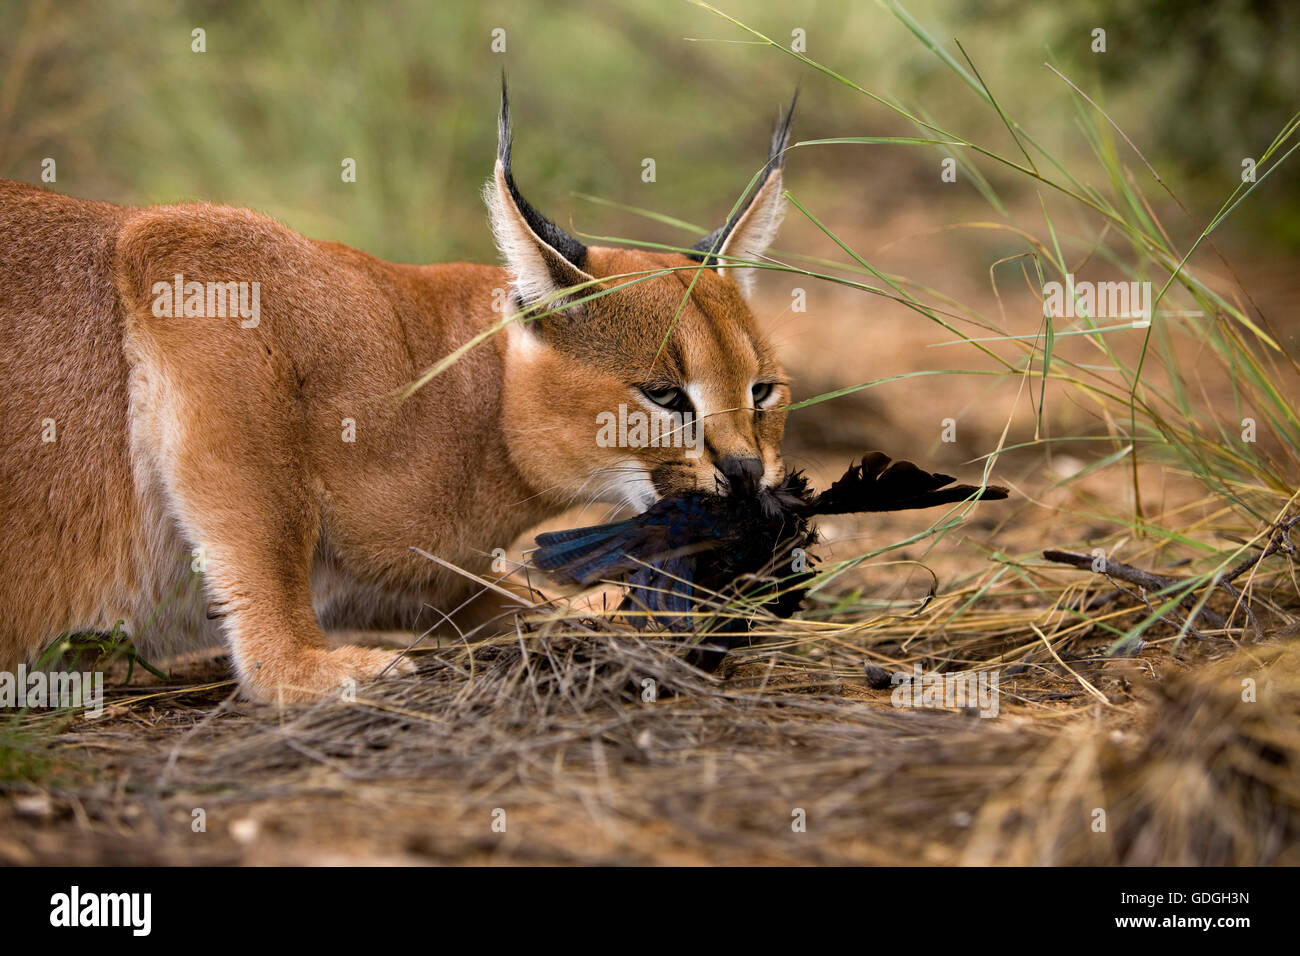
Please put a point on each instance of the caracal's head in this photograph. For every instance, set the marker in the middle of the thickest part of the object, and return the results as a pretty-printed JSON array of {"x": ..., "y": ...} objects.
[{"x": 639, "y": 374}]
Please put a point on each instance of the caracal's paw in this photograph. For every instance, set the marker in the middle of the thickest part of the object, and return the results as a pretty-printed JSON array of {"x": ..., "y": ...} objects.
[{"x": 317, "y": 674}]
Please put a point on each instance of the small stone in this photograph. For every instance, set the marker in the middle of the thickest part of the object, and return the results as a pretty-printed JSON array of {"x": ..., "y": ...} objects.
[
  {"x": 877, "y": 677},
  {"x": 34, "y": 806},
  {"x": 244, "y": 830}
]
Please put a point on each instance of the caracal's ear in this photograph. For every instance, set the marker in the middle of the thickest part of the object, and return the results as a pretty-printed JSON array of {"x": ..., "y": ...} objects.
[
  {"x": 541, "y": 255},
  {"x": 751, "y": 229}
]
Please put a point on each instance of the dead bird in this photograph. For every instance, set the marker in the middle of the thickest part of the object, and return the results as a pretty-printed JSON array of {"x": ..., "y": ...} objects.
[{"x": 689, "y": 557}]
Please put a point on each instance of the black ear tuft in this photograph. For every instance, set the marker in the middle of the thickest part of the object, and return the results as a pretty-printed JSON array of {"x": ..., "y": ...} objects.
[
  {"x": 775, "y": 160},
  {"x": 555, "y": 237}
]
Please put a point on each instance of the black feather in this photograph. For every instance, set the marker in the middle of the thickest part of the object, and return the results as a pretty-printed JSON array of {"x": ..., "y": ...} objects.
[
  {"x": 880, "y": 484},
  {"x": 689, "y": 554}
]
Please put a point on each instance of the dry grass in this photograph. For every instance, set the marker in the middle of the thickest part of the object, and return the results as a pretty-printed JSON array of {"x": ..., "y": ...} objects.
[{"x": 550, "y": 726}]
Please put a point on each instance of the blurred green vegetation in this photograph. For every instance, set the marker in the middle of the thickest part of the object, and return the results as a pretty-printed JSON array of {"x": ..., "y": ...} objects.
[
  {"x": 1198, "y": 86},
  {"x": 285, "y": 91}
]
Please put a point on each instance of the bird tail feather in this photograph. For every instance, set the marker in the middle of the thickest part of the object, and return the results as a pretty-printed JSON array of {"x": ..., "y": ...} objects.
[{"x": 880, "y": 484}]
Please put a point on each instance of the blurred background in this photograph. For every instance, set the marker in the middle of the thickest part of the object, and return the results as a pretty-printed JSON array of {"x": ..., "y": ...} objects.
[{"x": 286, "y": 90}]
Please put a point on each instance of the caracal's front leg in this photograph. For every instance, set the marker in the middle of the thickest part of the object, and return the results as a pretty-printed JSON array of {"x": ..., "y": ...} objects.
[{"x": 220, "y": 419}]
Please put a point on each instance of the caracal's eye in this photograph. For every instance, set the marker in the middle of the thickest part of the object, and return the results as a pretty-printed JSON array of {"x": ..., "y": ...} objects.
[
  {"x": 667, "y": 396},
  {"x": 762, "y": 392}
]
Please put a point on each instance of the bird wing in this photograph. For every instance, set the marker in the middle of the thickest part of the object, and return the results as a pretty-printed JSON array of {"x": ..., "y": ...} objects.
[{"x": 650, "y": 540}]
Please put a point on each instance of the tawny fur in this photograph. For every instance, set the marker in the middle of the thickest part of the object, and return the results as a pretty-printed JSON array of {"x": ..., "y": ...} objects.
[{"x": 186, "y": 438}]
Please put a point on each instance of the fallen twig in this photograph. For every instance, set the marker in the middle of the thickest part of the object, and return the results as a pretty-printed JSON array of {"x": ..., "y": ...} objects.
[
  {"x": 1146, "y": 580},
  {"x": 1279, "y": 541}
]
